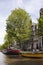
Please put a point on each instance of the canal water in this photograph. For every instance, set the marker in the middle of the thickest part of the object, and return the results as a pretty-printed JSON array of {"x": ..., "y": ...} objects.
[{"x": 18, "y": 60}]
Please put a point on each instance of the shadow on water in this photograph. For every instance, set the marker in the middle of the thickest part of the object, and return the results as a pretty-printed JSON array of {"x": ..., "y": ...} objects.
[
  {"x": 13, "y": 56},
  {"x": 18, "y": 60}
]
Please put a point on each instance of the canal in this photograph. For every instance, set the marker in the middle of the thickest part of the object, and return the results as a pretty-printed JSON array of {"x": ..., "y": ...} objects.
[{"x": 17, "y": 60}]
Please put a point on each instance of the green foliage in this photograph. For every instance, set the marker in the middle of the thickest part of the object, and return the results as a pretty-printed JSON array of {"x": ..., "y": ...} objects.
[
  {"x": 8, "y": 41},
  {"x": 1, "y": 47},
  {"x": 18, "y": 26},
  {"x": 40, "y": 25}
]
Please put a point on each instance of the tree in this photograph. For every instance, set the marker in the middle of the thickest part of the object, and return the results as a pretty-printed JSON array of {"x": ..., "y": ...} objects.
[
  {"x": 40, "y": 23},
  {"x": 19, "y": 25}
]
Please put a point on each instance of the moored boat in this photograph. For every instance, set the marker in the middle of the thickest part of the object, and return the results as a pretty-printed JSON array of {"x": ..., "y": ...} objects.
[
  {"x": 11, "y": 51},
  {"x": 31, "y": 54}
]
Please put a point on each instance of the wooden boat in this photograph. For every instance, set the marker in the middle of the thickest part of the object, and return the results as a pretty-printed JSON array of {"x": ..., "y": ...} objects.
[
  {"x": 31, "y": 54},
  {"x": 11, "y": 51}
]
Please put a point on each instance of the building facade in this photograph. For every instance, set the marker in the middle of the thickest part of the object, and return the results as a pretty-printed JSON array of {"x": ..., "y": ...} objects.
[{"x": 37, "y": 41}]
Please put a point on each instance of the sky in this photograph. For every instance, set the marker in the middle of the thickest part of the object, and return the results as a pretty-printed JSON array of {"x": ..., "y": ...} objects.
[{"x": 6, "y": 6}]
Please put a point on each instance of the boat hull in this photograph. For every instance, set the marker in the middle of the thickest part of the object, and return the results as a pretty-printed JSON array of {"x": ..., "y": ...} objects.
[
  {"x": 11, "y": 52},
  {"x": 32, "y": 54}
]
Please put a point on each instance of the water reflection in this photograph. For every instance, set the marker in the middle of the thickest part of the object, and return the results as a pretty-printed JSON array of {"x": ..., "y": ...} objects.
[{"x": 15, "y": 60}]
